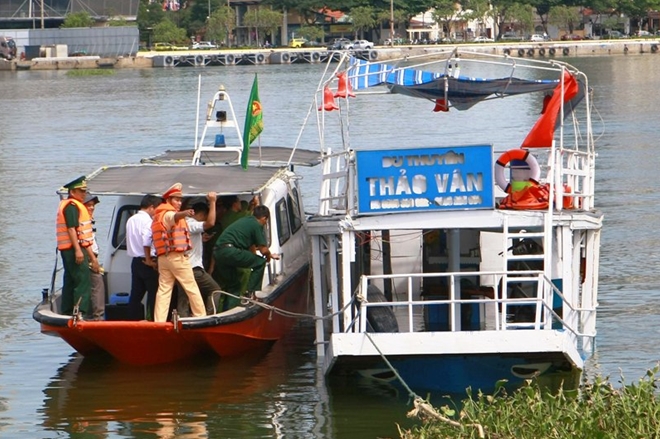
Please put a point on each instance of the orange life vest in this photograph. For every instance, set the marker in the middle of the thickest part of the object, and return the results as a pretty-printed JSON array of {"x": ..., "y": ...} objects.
[
  {"x": 84, "y": 229},
  {"x": 176, "y": 239}
]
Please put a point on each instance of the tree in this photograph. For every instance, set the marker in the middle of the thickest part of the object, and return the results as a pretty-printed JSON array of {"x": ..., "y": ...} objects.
[
  {"x": 564, "y": 17},
  {"x": 476, "y": 10},
  {"x": 543, "y": 10},
  {"x": 78, "y": 19},
  {"x": 168, "y": 32},
  {"x": 221, "y": 24},
  {"x": 444, "y": 13},
  {"x": 505, "y": 13},
  {"x": 311, "y": 33},
  {"x": 263, "y": 19},
  {"x": 363, "y": 18}
]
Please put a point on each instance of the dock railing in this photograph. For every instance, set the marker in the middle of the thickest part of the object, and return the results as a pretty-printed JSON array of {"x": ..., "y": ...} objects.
[{"x": 546, "y": 316}]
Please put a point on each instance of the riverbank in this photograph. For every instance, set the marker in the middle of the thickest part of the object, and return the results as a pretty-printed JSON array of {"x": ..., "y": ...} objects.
[{"x": 197, "y": 58}]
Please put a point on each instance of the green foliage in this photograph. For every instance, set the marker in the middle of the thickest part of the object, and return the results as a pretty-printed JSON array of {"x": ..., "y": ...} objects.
[
  {"x": 168, "y": 32},
  {"x": 78, "y": 19},
  {"x": 90, "y": 72},
  {"x": 363, "y": 18},
  {"x": 311, "y": 33},
  {"x": 118, "y": 22},
  {"x": 264, "y": 20},
  {"x": 221, "y": 24},
  {"x": 597, "y": 410},
  {"x": 564, "y": 17}
]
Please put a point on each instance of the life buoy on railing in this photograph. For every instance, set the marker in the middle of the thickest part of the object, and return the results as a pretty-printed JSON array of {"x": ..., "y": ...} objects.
[
  {"x": 199, "y": 59},
  {"x": 521, "y": 52},
  {"x": 654, "y": 48},
  {"x": 565, "y": 51},
  {"x": 507, "y": 51},
  {"x": 229, "y": 59},
  {"x": 373, "y": 55},
  {"x": 530, "y": 52},
  {"x": 316, "y": 56},
  {"x": 542, "y": 51},
  {"x": 552, "y": 51},
  {"x": 169, "y": 60},
  {"x": 519, "y": 155}
]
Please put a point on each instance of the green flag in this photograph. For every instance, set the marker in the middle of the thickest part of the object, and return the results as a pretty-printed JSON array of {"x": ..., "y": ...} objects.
[{"x": 254, "y": 123}]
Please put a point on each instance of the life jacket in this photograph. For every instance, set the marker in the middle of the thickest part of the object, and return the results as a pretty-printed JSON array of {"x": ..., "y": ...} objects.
[
  {"x": 176, "y": 239},
  {"x": 533, "y": 197},
  {"x": 84, "y": 229}
]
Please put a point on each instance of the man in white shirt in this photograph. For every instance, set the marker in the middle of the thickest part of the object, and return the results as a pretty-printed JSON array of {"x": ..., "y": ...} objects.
[
  {"x": 204, "y": 219},
  {"x": 144, "y": 269}
]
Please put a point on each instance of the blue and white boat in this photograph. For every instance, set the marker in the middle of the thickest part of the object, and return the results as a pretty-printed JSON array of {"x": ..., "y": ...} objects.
[{"x": 454, "y": 265}]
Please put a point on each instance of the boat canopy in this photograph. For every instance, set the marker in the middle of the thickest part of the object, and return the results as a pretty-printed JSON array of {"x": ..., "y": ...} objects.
[
  {"x": 196, "y": 180},
  {"x": 270, "y": 156},
  {"x": 462, "y": 92}
]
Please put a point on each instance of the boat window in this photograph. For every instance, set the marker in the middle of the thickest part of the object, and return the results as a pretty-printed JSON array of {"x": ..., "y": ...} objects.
[
  {"x": 282, "y": 217},
  {"x": 119, "y": 232},
  {"x": 294, "y": 210}
]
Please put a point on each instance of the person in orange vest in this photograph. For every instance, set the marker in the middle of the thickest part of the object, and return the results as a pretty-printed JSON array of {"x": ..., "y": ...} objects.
[
  {"x": 172, "y": 240},
  {"x": 74, "y": 241}
]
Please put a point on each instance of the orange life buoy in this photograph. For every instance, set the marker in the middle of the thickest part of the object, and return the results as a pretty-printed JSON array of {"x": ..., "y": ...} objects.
[{"x": 519, "y": 155}]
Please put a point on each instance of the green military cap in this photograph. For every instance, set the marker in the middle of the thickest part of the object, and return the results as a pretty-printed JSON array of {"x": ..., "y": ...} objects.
[{"x": 78, "y": 183}]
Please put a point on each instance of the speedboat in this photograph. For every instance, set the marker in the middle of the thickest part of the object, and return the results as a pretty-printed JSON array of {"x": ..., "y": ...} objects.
[{"x": 210, "y": 166}]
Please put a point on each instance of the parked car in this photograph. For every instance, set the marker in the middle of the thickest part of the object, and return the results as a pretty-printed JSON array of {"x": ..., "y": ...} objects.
[
  {"x": 204, "y": 45},
  {"x": 511, "y": 36},
  {"x": 538, "y": 38},
  {"x": 167, "y": 46},
  {"x": 614, "y": 35},
  {"x": 644, "y": 33},
  {"x": 482, "y": 39},
  {"x": 7, "y": 48},
  {"x": 571, "y": 37},
  {"x": 361, "y": 45},
  {"x": 297, "y": 42},
  {"x": 339, "y": 44}
]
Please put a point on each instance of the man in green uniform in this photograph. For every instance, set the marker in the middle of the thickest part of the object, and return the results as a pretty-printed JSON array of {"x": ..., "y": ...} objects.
[
  {"x": 233, "y": 252},
  {"x": 74, "y": 241}
]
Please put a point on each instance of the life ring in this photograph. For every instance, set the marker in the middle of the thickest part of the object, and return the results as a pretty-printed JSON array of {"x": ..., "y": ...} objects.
[
  {"x": 380, "y": 318},
  {"x": 260, "y": 58},
  {"x": 316, "y": 56},
  {"x": 229, "y": 59},
  {"x": 520, "y": 155},
  {"x": 214, "y": 58},
  {"x": 183, "y": 59},
  {"x": 507, "y": 51},
  {"x": 552, "y": 51},
  {"x": 530, "y": 52},
  {"x": 654, "y": 48},
  {"x": 542, "y": 51},
  {"x": 285, "y": 57},
  {"x": 199, "y": 59},
  {"x": 169, "y": 60},
  {"x": 521, "y": 52},
  {"x": 373, "y": 55},
  {"x": 565, "y": 51}
]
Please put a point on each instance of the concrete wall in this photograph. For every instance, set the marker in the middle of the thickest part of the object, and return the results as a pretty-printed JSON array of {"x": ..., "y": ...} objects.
[{"x": 101, "y": 41}]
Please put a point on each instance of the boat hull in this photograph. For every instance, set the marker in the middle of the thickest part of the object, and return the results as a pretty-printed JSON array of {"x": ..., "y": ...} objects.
[{"x": 229, "y": 334}]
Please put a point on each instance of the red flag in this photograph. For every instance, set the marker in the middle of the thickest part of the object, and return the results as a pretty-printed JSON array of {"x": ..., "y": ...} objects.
[{"x": 543, "y": 131}]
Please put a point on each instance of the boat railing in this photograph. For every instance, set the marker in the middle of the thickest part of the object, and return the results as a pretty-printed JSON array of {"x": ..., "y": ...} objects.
[
  {"x": 577, "y": 178},
  {"x": 336, "y": 183},
  {"x": 547, "y": 315}
]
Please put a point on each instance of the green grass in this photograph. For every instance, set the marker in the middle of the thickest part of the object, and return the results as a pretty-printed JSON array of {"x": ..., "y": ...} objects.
[
  {"x": 90, "y": 72},
  {"x": 596, "y": 410}
]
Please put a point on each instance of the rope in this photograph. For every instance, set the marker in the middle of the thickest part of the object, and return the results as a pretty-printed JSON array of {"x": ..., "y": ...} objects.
[{"x": 423, "y": 409}]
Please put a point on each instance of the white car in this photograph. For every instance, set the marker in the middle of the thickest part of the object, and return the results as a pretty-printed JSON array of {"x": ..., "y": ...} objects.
[
  {"x": 538, "y": 38},
  {"x": 204, "y": 45},
  {"x": 361, "y": 45},
  {"x": 483, "y": 40}
]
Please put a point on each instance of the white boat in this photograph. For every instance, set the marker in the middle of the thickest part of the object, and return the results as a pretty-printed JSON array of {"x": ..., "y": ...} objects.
[
  {"x": 210, "y": 166},
  {"x": 422, "y": 275}
]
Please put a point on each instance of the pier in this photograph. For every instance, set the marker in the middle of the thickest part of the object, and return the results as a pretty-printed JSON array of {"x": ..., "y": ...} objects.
[{"x": 237, "y": 57}]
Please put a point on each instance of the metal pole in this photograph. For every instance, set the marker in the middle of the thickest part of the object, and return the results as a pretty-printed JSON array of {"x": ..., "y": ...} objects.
[
  {"x": 391, "y": 22},
  {"x": 42, "y": 14}
]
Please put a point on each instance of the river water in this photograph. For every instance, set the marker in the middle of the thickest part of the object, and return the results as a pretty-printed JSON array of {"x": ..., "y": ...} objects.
[{"x": 55, "y": 127}]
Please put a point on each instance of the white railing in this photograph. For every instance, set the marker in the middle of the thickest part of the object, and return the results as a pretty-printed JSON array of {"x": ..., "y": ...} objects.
[
  {"x": 545, "y": 317},
  {"x": 336, "y": 184}
]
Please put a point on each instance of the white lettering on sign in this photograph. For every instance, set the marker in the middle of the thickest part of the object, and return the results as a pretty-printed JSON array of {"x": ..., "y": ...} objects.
[{"x": 450, "y": 158}]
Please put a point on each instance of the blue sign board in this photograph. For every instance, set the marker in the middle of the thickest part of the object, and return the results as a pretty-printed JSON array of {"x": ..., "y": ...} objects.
[{"x": 420, "y": 179}]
